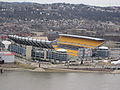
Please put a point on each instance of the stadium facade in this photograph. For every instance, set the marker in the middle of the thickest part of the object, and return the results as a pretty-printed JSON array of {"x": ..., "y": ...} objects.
[{"x": 50, "y": 50}]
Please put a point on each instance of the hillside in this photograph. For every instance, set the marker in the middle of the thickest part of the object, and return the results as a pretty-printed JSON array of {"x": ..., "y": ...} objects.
[
  {"x": 58, "y": 11},
  {"x": 27, "y": 17}
]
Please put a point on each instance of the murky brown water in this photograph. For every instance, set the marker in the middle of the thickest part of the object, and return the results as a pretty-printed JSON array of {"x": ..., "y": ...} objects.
[{"x": 11, "y": 80}]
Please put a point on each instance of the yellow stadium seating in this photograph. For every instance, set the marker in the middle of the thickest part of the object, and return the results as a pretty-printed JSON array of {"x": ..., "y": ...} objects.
[
  {"x": 80, "y": 42},
  {"x": 70, "y": 52}
]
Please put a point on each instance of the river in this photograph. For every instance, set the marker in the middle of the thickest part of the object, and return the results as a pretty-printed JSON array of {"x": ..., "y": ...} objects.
[{"x": 14, "y": 80}]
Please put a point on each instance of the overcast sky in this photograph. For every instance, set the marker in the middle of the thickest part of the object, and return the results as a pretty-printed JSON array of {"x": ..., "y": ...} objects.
[{"x": 88, "y": 2}]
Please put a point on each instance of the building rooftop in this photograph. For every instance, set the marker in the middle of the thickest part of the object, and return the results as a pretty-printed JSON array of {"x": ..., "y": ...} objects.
[
  {"x": 84, "y": 37},
  {"x": 6, "y": 53}
]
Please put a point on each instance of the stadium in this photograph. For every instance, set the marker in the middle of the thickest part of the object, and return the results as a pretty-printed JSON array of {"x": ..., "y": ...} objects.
[{"x": 57, "y": 50}]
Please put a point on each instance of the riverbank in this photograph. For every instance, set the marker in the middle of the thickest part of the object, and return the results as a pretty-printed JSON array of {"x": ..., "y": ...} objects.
[
  {"x": 59, "y": 70},
  {"x": 24, "y": 67}
]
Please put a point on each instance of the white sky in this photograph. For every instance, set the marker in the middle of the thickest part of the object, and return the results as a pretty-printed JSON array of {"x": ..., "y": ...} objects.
[{"x": 88, "y": 2}]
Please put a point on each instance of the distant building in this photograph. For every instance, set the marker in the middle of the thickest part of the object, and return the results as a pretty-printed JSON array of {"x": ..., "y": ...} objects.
[
  {"x": 40, "y": 38},
  {"x": 3, "y": 37},
  {"x": 38, "y": 33}
]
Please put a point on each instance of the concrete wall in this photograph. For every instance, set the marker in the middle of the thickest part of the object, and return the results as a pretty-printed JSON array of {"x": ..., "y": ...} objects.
[{"x": 28, "y": 52}]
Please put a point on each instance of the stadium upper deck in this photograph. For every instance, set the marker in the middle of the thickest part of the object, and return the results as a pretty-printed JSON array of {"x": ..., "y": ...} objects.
[
  {"x": 73, "y": 42},
  {"x": 31, "y": 42},
  {"x": 81, "y": 41}
]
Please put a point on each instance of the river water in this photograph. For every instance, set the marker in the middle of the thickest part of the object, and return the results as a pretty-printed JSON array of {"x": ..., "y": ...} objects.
[{"x": 12, "y": 80}]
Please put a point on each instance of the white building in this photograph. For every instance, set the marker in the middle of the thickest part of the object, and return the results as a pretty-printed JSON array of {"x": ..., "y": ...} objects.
[{"x": 7, "y": 56}]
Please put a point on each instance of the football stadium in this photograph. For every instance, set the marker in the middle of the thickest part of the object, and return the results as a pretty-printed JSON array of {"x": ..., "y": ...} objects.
[{"x": 59, "y": 49}]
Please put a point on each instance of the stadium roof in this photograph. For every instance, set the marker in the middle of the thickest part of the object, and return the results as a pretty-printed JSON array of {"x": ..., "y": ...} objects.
[
  {"x": 84, "y": 37},
  {"x": 32, "y": 42}
]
